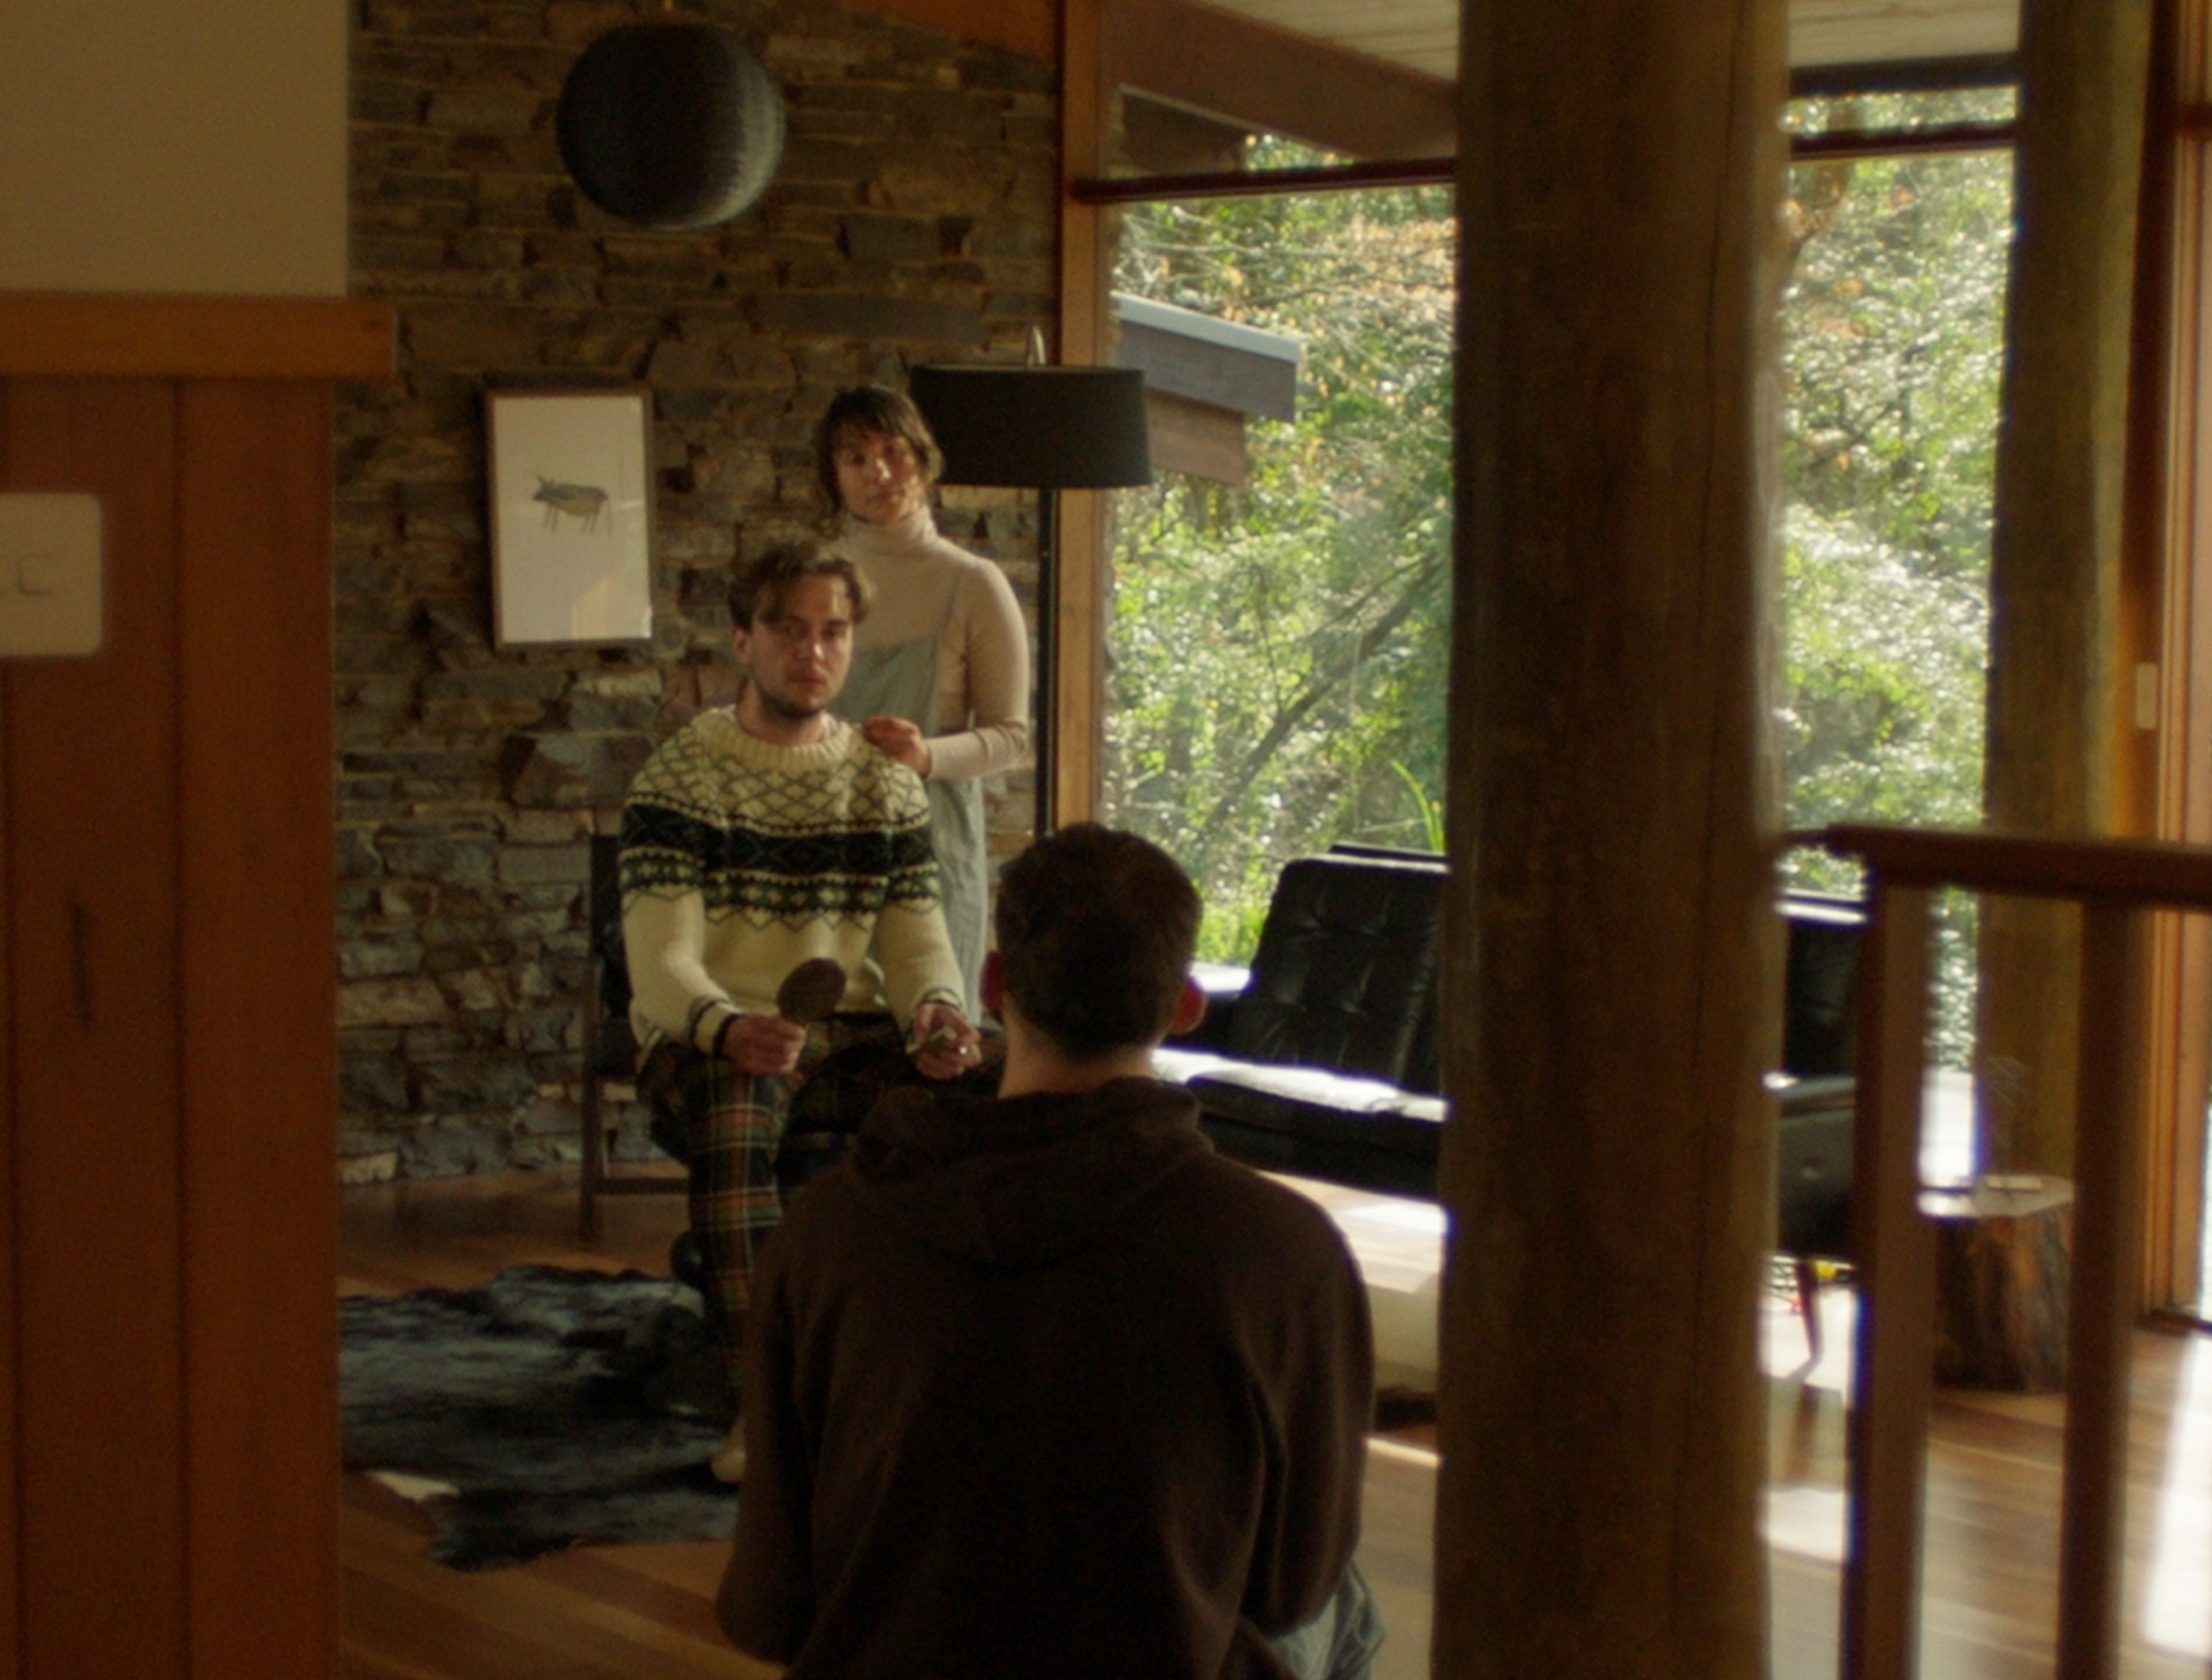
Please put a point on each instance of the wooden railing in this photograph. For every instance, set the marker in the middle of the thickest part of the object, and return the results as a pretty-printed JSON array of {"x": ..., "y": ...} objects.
[{"x": 2119, "y": 884}]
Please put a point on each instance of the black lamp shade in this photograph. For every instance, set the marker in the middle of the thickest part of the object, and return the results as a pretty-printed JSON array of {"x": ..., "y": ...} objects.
[
  {"x": 1037, "y": 427},
  {"x": 670, "y": 125}
]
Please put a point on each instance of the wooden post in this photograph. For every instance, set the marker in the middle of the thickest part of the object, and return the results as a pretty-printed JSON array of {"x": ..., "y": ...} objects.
[
  {"x": 1613, "y": 950},
  {"x": 1074, "y": 689},
  {"x": 2108, "y": 1187},
  {"x": 2056, "y": 692},
  {"x": 1888, "y": 1424}
]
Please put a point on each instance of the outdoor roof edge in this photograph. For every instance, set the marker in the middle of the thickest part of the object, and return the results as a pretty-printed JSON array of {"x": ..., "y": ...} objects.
[{"x": 1225, "y": 364}]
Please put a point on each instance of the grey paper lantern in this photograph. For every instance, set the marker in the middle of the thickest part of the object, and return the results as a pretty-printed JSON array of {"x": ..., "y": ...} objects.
[{"x": 671, "y": 125}]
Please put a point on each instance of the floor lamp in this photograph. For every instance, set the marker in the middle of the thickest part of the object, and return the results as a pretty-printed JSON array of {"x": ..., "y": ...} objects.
[{"x": 1048, "y": 430}]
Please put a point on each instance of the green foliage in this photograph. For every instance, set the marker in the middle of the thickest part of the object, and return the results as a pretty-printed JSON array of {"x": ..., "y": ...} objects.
[
  {"x": 1893, "y": 339},
  {"x": 1279, "y": 649}
]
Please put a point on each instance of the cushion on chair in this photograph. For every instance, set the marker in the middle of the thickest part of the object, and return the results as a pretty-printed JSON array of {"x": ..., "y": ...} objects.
[{"x": 1313, "y": 1102}]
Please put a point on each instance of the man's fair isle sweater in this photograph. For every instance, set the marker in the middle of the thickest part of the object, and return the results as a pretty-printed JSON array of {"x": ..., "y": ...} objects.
[{"x": 741, "y": 859}]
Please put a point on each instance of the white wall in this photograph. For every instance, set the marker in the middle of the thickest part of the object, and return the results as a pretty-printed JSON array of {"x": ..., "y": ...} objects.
[{"x": 173, "y": 146}]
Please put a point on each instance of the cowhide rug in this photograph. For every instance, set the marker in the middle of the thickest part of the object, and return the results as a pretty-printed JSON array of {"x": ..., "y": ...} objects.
[{"x": 546, "y": 1409}]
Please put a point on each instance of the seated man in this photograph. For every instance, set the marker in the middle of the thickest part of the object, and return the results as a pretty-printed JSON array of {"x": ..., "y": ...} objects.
[
  {"x": 760, "y": 835},
  {"x": 1039, "y": 1385}
]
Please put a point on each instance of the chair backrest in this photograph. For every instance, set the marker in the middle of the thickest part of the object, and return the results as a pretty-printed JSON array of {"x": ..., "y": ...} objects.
[
  {"x": 612, "y": 1046},
  {"x": 1346, "y": 967},
  {"x": 1820, "y": 980},
  {"x": 1388, "y": 853}
]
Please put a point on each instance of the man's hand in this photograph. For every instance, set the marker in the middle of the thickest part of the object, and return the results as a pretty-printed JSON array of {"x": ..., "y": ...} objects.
[
  {"x": 944, "y": 1046},
  {"x": 764, "y": 1046},
  {"x": 896, "y": 738}
]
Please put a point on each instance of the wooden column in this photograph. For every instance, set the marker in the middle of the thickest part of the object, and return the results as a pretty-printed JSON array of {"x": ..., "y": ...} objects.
[
  {"x": 1613, "y": 952},
  {"x": 1077, "y": 687},
  {"x": 2056, "y": 691},
  {"x": 167, "y": 1125},
  {"x": 1891, "y": 1246}
]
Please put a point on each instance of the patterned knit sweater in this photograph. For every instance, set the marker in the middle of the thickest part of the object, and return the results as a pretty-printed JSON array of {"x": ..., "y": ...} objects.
[{"x": 742, "y": 859}]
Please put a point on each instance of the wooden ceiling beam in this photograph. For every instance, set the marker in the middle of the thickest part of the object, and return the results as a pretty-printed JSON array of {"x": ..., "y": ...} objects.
[
  {"x": 1186, "y": 53},
  {"x": 1204, "y": 59},
  {"x": 1029, "y": 28}
]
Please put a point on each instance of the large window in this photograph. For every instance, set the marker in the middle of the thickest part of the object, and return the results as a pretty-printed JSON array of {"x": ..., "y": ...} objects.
[
  {"x": 1892, "y": 341},
  {"x": 1278, "y": 647}
]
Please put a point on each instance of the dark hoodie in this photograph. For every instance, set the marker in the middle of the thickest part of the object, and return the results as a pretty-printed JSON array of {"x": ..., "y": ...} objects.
[{"x": 1045, "y": 1387}]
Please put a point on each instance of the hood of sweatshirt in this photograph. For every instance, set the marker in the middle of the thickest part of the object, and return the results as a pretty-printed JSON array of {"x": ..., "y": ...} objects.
[{"x": 1029, "y": 1180}]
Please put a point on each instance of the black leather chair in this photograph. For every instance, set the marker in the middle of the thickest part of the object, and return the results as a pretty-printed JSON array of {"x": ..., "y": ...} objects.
[
  {"x": 1324, "y": 1063},
  {"x": 1815, "y": 1091}
]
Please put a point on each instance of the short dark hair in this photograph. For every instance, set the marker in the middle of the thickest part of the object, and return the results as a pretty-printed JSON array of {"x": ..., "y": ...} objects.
[
  {"x": 759, "y": 588},
  {"x": 1095, "y": 931},
  {"x": 870, "y": 408}
]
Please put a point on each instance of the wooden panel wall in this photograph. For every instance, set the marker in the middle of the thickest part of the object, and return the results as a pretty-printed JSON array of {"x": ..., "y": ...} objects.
[
  {"x": 91, "y": 811},
  {"x": 258, "y": 979},
  {"x": 167, "y": 977}
]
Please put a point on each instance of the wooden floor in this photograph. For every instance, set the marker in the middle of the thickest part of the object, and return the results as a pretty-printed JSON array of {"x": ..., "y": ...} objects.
[{"x": 645, "y": 1612}]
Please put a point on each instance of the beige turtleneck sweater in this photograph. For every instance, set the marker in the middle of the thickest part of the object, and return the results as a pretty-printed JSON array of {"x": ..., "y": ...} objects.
[{"x": 982, "y": 645}]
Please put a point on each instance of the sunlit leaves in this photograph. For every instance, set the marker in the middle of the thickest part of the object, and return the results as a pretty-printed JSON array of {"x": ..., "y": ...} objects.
[{"x": 1277, "y": 651}]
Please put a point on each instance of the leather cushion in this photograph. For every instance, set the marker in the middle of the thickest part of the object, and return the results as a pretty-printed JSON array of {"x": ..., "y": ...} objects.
[{"x": 1312, "y": 1102}]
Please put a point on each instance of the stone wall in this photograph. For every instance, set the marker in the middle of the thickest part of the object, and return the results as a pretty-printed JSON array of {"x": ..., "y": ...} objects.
[{"x": 912, "y": 220}]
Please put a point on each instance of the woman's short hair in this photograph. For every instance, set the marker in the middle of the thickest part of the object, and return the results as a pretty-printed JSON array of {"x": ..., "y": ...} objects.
[
  {"x": 1096, "y": 926},
  {"x": 759, "y": 587},
  {"x": 870, "y": 408}
]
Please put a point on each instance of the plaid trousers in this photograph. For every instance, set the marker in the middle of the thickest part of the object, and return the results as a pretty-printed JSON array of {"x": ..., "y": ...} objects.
[{"x": 727, "y": 1127}]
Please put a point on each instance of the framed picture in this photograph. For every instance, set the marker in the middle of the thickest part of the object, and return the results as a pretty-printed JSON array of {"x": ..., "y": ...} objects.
[{"x": 572, "y": 516}]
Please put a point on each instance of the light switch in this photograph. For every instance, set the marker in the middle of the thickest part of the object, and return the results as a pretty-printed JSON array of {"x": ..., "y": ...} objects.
[{"x": 51, "y": 583}]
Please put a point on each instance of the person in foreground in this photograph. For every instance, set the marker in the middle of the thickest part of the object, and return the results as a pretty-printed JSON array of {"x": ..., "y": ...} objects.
[
  {"x": 760, "y": 835},
  {"x": 1041, "y": 1385}
]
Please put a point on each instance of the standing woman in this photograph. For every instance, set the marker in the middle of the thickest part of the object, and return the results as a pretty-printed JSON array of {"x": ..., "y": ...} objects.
[{"x": 940, "y": 674}]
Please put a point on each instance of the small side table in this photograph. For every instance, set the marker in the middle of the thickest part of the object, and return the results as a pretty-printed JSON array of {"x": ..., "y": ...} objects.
[{"x": 2003, "y": 1249}]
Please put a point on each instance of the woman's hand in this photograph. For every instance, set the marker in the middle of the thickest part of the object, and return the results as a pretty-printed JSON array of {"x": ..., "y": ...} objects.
[
  {"x": 896, "y": 738},
  {"x": 942, "y": 1043}
]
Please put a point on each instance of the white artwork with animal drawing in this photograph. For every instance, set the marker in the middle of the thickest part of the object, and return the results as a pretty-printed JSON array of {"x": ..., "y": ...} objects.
[{"x": 572, "y": 517}]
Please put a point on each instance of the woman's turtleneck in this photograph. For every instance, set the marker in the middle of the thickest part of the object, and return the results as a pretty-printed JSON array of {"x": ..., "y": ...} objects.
[
  {"x": 917, "y": 530},
  {"x": 926, "y": 585}
]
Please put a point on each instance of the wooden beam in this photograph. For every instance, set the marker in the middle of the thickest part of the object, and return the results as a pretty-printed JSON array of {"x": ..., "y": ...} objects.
[
  {"x": 91, "y": 335},
  {"x": 2058, "y": 691},
  {"x": 1027, "y": 27},
  {"x": 1893, "y": 1250},
  {"x": 1075, "y": 685},
  {"x": 2157, "y": 596},
  {"x": 1606, "y": 1167},
  {"x": 10, "y": 1219},
  {"x": 1214, "y": 61},
  {"x": 2107, "y": 1218}
]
